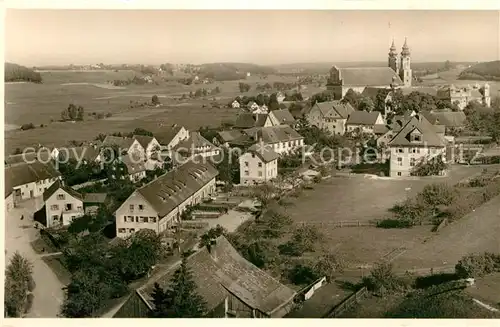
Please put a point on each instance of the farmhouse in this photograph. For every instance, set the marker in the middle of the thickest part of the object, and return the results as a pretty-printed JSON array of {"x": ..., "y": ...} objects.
[
  {"x": 62, "y": 205},
  {"x": 279, "y": 117},
  {"x": 196, "y": 145},
  {"x": 331, "y": 116},
  {"x": 416, "y": 141},
  {"x": 397, "y": 74},
  {"x": 258, "y": 164},
  {"x": 136, "y": 167},
  {"x": 364, "y": 121},
  {"x": 282, "y": 139},
  {"x": 159, "y": 204},
  {"x": 233, "y": 138},
  {"x": 125, "y": 145},
  {"x": 29, "y": 181},
  {"x": 235, "y": 104},
  {"x": 150, "y": 144},
  {"x": 449, "y": 119},
  {"x": 170, "y": 136},
  {"x": 92, "y": 202},
  {"x": 231, "y": 287}
]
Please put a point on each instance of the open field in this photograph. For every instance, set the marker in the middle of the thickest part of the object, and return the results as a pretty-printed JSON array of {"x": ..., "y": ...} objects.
[
  {"x": 487, "y": 289},
  {"x": 475, "y": 233},
  {"x": 364, "y": 199}
]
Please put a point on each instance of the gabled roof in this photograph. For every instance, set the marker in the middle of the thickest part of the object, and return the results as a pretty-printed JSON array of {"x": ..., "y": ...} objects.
[
  {"x": 58, "y": 185},
  {"x": 421, "y": 89},
  {"x": 122, "y": 142},
  {"x": 342, "y": 109},
  {"x": 171, "y": 189},
  {"x": 22, "y": 174},
  {"x": 260, "y": 120},
  {"x": 363, "y": 118},
  {"x": 274, "y": 134},
  {"x": 221, "y": 271},
  {"x": 134, "y": 164},
  {"x": 450, "y": 118},
  {"x": 195, "y": 142},
  {"x": 264, "y": 152},
  {"x": 167, "y": 134},
  {"x": 87, "y": 153},
  {"x": 369, "y": 76},
  {"x": 95, "y": 198},
  {"x": 143, "y": 140},
  {"x": 380, "y": 129},
  {"x": 283, "y": 116},
  {"x": 429, "y": 135},
  {"x": 245, "y": 120}
]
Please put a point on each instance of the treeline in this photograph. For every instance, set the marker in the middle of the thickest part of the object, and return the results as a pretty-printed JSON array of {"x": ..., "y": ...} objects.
[
  {"x": 486, "y": 71},
  {"x": 136, "y": 80},
  {"x": 17, "y": 73}
]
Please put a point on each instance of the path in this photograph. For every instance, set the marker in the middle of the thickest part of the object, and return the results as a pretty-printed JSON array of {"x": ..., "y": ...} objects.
[{"x": 48, "y": 293}]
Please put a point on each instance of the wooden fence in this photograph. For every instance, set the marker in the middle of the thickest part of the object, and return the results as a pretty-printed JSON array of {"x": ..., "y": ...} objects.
[
  {"x": 345, "y": 305},
  {"x": 307, "y": 292},
  {"x": 350, "y": 223}
]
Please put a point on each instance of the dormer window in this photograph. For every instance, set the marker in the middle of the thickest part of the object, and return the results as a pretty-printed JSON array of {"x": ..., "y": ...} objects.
[{"x": 417, "y": 138}]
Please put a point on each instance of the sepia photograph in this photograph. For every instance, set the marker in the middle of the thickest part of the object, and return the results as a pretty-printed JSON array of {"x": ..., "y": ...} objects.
[{"x": 251, "y": 163}]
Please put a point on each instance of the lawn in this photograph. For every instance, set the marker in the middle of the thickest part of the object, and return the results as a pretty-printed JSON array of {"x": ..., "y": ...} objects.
[
  {"x": 54, "y": 262},
  {"x": 487, "y": 289}
]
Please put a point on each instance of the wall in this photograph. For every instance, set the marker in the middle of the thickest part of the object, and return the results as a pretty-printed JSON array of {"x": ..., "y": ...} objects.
[
  {"x": 127, "y": 219},
  {"x": 54, "y": 214},
  {"x": 404, "y": 169},
  {"x": 36, "y": 188},
  {"x": 150, "y": 150},
  {"x": 269, "y": 170},
  {"x": 286, "y": 147}
]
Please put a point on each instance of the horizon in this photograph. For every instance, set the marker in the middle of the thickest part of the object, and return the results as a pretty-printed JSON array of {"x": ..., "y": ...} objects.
[{"x": 260, "y": 37}]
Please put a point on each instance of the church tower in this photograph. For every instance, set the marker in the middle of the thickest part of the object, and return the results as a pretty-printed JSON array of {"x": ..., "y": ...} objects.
[
  {"x": 405, "y": 70},
  {"x": 393, "y": 58}
]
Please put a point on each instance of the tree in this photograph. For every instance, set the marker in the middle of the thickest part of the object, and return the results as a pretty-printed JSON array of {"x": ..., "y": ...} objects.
[
  {"x": 438, "y": 194},
  {"x": 142, "y": 131},
  {"x": 244, "y": 87},
  {"x": 433, "y": 167},
  {"x": 155, "y": 100},
  {"x": 353, "y": 98},
  {"x": 261, "y": 253},
  {"x": 366, "y": 104},
  {"x": 182, "y": 297},
  {"x": 273, "y": 102},
  {"x": 79, "y": 113},
  {"x": 18, "y": 284}
]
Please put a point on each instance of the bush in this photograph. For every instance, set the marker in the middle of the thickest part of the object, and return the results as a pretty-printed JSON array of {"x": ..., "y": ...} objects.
[
  {"x": 383, "y": 279},
  {"x": 428, "y": 281},
  {"x": 302, "y": 274},
  {"x": 26, "y": 127},
  {"x": 474, "y": 265},
  {"x": 29, "y": 303}
]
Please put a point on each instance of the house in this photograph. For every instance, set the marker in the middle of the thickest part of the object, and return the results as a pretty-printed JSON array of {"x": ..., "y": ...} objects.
[
  {"x": 463, "y": 95},
  {"x": 233, "y": 138},
  {"x": 231, "y": 286},
  {"x": 136, "y": 167},
  {"x": 150, "y": 145},
  {"x": 449, "y": 119},
  {"x": 253, "y": 106},
  {"x": 331, "y": 116},
  {"x": 124, "y": 144},
  {"x": 259, "y": 164},
  {"x": 29, "y": 180},
  {"x": 159, "y": 204},
  {"x": 197, "y": 145},
  {"x": 261, "y": 110},
  {"x": 170, "y": 136},
  {"x": 62, "y": 205},
  {"x": 416, "y": 141},
  {"x": 280, "y": 97},
  {"x": 283, "y": 139},
  {"x": 249, "y": 120},
  {"x": 92, "y": 202},
  {"x": 280, "y": 117},
  {"x": 364, "y": 121},
  {"x": 235, "y": 104}
]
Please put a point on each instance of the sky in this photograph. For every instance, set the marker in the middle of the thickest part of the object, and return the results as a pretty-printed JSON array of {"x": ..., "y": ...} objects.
[{"x": 48, "y": 37}]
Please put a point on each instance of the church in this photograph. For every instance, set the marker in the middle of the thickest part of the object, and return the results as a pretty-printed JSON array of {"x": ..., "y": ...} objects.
[{"x": 397, "y": 74}]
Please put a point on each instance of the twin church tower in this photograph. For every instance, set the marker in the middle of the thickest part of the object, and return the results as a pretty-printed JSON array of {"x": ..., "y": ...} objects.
[{"x": 401, "y": 65}]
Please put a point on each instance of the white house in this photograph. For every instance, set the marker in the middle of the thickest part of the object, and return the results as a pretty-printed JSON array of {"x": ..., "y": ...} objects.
[
  {"x": 364, "y": 121},
  {"x": 150, "y": 144},
  {"x": 331, "y": 116},
  {"x": 259, "y": 164},
  {"x": 235, "y": 104},
  {"x": 280, "y": 97},
  {"x": 282, "y": 139},
  {"x": 252, "y": 105},
  {"x": 170, "y": 136},
  {"x": 158, "y": 205},
  {"x": 62, "y": 205},
  {"x": 29, "y": 180},
  {"x": 416, "y": 141},
  {"x": 124, "y": 144},
  {"x": 196, "y": 145}
]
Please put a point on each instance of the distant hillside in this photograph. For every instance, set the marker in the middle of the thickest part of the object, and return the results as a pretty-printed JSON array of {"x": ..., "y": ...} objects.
[
  {"x": 232, "y": 71},
  {"x": 486, "y": 71},
  {"x": 17, "y": 73}
]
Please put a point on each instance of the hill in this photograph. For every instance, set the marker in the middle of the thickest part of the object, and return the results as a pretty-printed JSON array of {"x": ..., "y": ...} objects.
[
  {"x": 18, "y": 73},
  {"x": 486, "y": 71},
  {"x": 232, "y": 71}
]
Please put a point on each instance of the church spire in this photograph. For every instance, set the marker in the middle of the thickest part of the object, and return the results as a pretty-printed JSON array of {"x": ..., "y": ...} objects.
[
  {"x": 392, "y": 50},
  {"x": 406, "y": 49}
]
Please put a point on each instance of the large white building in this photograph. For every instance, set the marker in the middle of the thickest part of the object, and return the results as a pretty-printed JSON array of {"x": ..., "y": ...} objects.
[
  {"x": 62, "y": 205},
  {"x": 159, "y": 204},
  {"x": 282, "y": 139}
]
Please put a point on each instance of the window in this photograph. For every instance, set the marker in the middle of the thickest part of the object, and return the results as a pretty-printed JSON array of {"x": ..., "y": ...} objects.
[
  {"x": 68, "y": 207},
  {"x": 246, "y": 173},
  {"x": 142, "y": 219},
  {"x": 61, "y": 197},
  {"x": 399, "y": 173},
  {"x": 260, "y": 174},
  {"x": 128, "y": 219},
  {"x": 246, "y": 163},
  {"x": 260, "y": 164},
  {"x": 253, "y": 155},
  {"x": 54, "y": 207},
  {"x": 131, "y": 207},
  {"x": 141, "y": 207},
  {"x": 55, "y": 217},
  {"x": 122, "y": 230},
  {"x": 412, "y": 161},
  {"x": 152, "y": 219},
  {"x": 400, "y": 161},
  {"x": 131, "y": 230},
  {"x": 416, "y": 138},
  {"x": 400, "y": 150},
  {"x": 79, "y": 208},
  {"x": 414, "y": 150}
]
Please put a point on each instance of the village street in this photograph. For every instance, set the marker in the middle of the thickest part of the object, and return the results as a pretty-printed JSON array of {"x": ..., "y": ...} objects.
[{"x": 48, "y": 293}]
